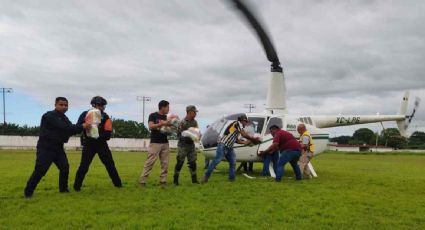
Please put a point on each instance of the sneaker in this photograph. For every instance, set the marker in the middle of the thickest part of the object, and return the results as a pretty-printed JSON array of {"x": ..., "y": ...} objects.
[
  {"x": 142, "y": 185},
  {"x": 77, "y": 189}
]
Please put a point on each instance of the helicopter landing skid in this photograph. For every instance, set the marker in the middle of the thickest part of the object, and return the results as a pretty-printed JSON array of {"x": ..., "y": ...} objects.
[
  {"x": 271, "y": 170},
  {"x": 248, "y": 176}
]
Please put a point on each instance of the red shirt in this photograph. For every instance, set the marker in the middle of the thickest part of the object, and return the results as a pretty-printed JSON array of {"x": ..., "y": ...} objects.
[{"x": 286, "y": 141}]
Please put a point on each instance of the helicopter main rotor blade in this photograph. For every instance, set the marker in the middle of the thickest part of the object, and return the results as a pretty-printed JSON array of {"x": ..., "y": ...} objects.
[{"x": 264, "y": 38}]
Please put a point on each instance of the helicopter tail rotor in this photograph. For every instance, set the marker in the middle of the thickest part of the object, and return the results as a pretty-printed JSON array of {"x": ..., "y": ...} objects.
[
  {"x": 403, "y": 125},
  {"x": 415, "y": 108}
]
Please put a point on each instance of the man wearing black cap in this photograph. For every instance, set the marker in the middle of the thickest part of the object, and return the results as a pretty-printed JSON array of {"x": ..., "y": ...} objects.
[
  {"x": 225, "y": 146},
  {"x": 186, "y": 146},
  {"x": 55, "y": 130},
  {"x": 99, "y": 145}
]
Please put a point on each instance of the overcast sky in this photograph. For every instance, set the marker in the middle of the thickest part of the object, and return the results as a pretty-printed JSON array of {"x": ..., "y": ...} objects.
[{"x": 339, "y": 57}]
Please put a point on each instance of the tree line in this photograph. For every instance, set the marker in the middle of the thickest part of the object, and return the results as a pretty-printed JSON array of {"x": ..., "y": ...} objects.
[
  {"x": 388, "y": 137},
  {"x": 121, "y": 129},
  {"x": 132, "y": 129}
]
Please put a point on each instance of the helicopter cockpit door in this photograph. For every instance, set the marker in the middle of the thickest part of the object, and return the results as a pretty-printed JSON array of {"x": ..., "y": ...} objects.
[
  {"x": 216, "y": 131},
  {"x": 254, "y": 128}
]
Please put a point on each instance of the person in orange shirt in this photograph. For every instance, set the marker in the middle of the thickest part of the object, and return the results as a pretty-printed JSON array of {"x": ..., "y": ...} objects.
[{"x": 98, "y": 145}]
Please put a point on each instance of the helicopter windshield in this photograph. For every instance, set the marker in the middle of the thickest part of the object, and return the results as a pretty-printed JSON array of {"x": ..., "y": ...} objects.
[
  {"x": 274, "y": 121},
  {"x": 257, "y": 124},
  {"x": 212, "y": 135}
]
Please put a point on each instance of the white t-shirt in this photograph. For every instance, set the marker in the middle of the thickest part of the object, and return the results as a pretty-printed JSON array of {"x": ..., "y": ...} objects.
[{"x": 305, "y": 140}]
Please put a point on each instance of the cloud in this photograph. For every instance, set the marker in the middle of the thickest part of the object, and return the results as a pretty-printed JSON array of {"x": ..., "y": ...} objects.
[{"x": 339, "y": 57}]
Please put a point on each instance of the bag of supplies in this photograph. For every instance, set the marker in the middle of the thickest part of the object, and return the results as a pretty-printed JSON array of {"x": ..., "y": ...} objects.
[
  {"x": 174, "y": 122},
  {"x": 93, "y": 117},
  {"x": 192, "y": 133}
]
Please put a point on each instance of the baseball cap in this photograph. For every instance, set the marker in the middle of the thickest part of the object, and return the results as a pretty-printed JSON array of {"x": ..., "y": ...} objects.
[
  {"x": 191, "y": 108},
  {"x": 243, "y": 118}
]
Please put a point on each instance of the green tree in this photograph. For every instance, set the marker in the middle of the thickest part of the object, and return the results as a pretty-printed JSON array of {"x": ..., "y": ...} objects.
[
  {"x": 12, "y": 129},
  {"x": 392, "y": 138},
  {"x": 417, "y": 140},
  {"x": 122, "y": 129},
  {"x": 341, "y": 139},
  {"x": 363, "y": 136},
  {"x": 129, "y": 129}
]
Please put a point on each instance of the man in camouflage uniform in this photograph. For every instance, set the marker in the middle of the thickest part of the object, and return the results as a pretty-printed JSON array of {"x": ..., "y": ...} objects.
[{"x": 186, "y": 146}]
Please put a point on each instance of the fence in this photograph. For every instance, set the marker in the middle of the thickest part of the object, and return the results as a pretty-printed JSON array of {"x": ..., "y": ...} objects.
[{"x": 118, "y": 144}]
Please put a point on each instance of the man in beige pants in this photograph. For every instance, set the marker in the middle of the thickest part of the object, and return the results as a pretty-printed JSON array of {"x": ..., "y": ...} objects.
[
  {"x": 307, "y": 150},
  {"x": 158, "y": 146}
]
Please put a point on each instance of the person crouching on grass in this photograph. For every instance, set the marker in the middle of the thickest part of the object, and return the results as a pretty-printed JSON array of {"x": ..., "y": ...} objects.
[{"x": 290, "y": 151}]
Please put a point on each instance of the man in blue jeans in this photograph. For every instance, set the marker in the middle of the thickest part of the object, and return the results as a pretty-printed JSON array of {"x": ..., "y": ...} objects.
[
  {"x": 290, "y": 151},
  {"x": 225, "y": 146},
  {"x": 267, "y": 159}
]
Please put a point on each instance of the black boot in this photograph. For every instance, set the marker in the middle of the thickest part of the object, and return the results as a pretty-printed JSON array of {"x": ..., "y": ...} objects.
[
  {"x": 194, "y": 179},
  {"x": 192, "y": 167},
  {"x": 177, "y": 169},
  {"x": 27, "y": 194},
  {"x": 176, "y": 179}
]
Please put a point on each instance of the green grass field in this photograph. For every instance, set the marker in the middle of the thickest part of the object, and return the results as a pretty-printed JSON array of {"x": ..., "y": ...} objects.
[{"x": 353, "y": 191}]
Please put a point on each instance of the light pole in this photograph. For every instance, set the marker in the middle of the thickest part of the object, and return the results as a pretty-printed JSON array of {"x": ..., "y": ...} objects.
[
  {"x": 143, "y": 99},
  {"x": 4, "y": 91},
  {"x": 249, "y": 106},
  {"x": 376, "y": 141},
  {"x": 377, "y": 136}
]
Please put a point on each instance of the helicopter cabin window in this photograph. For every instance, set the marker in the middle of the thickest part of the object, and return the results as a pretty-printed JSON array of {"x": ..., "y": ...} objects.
[
  {"x": 273, "y": 121},
  {"x": 306, "y": 120},
  {"x": 309, "y": 120},
  {"x": 257, "y": 124},
  {"x": 212, "y": 134},
  {"x": 234, "y": 117}
]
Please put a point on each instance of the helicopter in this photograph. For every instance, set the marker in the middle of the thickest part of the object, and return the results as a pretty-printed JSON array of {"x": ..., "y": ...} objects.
[{"x": 276, "y": 111}]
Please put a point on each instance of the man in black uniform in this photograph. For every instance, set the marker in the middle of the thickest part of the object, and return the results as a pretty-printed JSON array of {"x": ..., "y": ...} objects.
[
  {"x": 55, "y": 130},
  {"x": 92, "y": 146}
]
